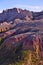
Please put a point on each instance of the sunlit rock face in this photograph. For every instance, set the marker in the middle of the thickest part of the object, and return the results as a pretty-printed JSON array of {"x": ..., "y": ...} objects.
[{"x": 4, "y": 26}]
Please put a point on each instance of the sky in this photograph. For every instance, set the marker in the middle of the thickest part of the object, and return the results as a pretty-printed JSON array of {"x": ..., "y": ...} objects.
[{"x": 32, "y": 5}]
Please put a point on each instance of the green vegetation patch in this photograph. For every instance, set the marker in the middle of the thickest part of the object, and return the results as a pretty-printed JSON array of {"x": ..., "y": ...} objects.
[{"x": 1, "y": 40}]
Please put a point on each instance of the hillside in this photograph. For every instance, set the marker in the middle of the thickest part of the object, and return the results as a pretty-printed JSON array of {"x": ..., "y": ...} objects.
[{"x": 21, "y": 37}]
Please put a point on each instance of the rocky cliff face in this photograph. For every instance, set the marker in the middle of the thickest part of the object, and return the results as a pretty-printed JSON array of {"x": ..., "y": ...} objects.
[{"x": 15, "y": 13}]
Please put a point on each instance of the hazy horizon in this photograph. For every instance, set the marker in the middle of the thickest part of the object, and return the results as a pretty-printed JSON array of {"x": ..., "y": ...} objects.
[{"x": 32, "y": 5}]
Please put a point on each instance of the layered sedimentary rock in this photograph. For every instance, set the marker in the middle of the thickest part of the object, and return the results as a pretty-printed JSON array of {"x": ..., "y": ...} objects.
[{"x": 21, "y": 30}]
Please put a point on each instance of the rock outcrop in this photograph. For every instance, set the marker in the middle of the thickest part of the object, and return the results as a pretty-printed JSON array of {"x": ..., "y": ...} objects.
[
  {"x": 38, "y": 15},
  {"x": 15, "y": 13}
]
